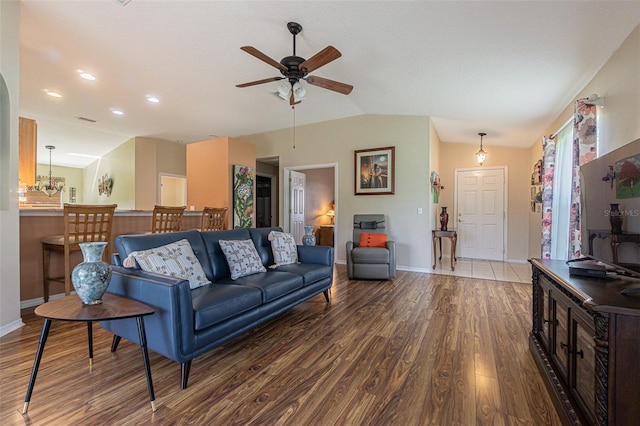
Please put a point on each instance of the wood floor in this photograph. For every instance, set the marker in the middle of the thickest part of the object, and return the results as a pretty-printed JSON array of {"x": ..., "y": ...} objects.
[{"x": 421, "y": 350}]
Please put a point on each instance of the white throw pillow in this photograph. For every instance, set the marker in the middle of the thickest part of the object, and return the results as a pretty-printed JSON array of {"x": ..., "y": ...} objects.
[
  {"x": 175, "y": 260},
  {"x": 284, "y": 248},
  {"x": 242, "y": 257}
]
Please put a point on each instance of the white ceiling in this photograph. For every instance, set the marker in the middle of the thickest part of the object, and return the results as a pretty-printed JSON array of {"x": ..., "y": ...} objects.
[{"x": 505, "y": 68}]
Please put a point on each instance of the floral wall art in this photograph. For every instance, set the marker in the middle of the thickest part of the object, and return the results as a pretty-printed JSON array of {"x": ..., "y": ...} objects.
[{"x": 243, "y": 179}]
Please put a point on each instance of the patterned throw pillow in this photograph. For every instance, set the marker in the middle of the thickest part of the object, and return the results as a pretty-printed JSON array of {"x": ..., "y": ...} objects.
[
  {"x": 175, "y": 260},
  {"x": 284, "y": 248},
  {"x": 242, "y": 257},
  {"x": 373, "y": 240}
]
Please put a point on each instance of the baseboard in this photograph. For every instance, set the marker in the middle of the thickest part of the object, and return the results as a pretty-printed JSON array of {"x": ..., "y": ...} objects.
[
  {"x": 11, "y": 327},
  {"x": 398, "y": 267},
  {"x": 30, "y": 303}
]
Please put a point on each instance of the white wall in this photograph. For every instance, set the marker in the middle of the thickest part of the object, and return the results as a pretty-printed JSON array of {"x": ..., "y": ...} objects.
[
  {"x": 9, "y": 216},
  {"x": 335, "y": 142},
  {"x": 618, "y": 122}
]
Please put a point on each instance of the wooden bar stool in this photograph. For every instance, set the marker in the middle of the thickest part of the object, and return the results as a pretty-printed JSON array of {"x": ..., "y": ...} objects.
[
  {"x": 167, "y": 219},
  {"x": 82, "y": 223},
  {"x": 214, "y": 219}
]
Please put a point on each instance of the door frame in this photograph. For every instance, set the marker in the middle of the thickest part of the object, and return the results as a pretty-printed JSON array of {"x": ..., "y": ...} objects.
[
  {"x": 505, "y": 190},
  {"x": 274, "y": 197},
  {"x": 286, "y": 202},
  {"x": 171, "y": 175}
]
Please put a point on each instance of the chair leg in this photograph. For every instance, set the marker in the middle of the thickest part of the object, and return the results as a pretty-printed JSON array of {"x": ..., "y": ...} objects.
[
  {"x": 46, "y": 257},
  {"x": 327, "y": 295},
  {"x": 67, "y": 273},
  {"x": 185, "y": 367}
]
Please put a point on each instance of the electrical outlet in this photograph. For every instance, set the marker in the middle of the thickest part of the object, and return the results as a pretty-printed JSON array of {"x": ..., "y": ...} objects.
[{"x": 419, "y": 210}]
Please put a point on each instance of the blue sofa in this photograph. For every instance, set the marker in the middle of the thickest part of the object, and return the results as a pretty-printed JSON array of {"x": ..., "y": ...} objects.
[{"x": 188, "y": 323}]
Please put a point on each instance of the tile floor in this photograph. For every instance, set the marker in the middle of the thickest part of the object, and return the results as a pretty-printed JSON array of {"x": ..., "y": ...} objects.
[{"x": 485, "y": 269}]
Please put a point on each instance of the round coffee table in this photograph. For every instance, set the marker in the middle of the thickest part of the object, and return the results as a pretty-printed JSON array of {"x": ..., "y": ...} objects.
[{"x": 70, "y": 308}]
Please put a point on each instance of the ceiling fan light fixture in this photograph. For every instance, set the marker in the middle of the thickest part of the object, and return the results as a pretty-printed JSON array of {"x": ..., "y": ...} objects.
[
  {"x": 283, "y": 91},
  {"x": 299, "y": 92}
]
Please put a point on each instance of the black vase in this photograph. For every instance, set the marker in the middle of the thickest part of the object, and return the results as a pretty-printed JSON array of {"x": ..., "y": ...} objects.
[
  {"x": 615, "y": 219},
  {"x": 444, "y": 219}
]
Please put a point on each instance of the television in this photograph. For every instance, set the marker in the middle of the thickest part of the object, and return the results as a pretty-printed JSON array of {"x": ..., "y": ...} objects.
[{"x": 613, "y": 178}]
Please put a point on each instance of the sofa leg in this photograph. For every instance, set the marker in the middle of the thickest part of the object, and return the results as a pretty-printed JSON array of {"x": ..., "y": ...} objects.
[
  {"x": 327, "y": 295},
  {"x": 115, "y": 342},
  {"x": 185, "y": 367}
]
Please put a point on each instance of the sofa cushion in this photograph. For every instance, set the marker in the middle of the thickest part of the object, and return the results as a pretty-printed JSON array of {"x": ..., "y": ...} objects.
[
  {"x": 370, "y": 255},
  {"x": 284, "y": 248},
  {"x": 273, "y": 284},
  {"x": 310, "y": 272},
  {"x": 242, "y": 258},
  {"x": 174, "y": 260},
  {"x": 217, "y": 302}
]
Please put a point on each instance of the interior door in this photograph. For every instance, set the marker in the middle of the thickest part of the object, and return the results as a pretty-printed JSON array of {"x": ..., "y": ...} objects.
[
  {"x": 296, "y": 205},
  {"x": 173, "y": 190},
  {"x": 480, "y": 213}
]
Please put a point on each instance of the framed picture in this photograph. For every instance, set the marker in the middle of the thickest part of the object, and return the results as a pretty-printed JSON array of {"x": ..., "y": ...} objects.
[
  {"x": 374, "y": 171},
  {"x": 242, "y": 197}
]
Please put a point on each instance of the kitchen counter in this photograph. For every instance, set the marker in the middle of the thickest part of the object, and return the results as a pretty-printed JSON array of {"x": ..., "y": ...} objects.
[{"x": 36, "y": 223}]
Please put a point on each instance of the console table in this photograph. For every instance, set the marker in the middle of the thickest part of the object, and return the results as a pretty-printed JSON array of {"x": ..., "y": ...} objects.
[
  {"x": 584, "y": 340},
  {"x": 70, "y": 308},
  {"x": 616, "y": 240},
  {"x": 438, "y": 235}
]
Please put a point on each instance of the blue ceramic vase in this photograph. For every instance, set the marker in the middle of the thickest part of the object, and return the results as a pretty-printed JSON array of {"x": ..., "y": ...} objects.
[
  {"x": 91, "y": 277},
  {"x": 308, "y": 239}
]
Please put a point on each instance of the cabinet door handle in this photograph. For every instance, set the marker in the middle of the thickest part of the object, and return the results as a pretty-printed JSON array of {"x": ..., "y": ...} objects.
[
  {"x": 564, "y": 347},
  {"x": 580, "y": 354}
]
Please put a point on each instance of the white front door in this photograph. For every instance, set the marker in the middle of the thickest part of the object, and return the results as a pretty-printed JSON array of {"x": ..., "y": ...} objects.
[
  {"x": 296, "y": 205},
  {"x": 480, "y": 213}
]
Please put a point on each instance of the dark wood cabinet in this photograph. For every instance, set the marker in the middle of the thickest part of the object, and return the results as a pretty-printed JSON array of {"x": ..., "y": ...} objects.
[
  {"x": 585, "y": 339},
  {"x": 325, "y": 235}
]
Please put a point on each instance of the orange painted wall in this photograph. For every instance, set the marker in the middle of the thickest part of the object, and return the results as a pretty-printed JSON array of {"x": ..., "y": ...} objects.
[{"x": 210, "y": 171}]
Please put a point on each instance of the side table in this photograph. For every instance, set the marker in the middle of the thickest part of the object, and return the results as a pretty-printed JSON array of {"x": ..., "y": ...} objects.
[
  {"x": 437, "y": 235},
  {"x": 70, "y": 308}
]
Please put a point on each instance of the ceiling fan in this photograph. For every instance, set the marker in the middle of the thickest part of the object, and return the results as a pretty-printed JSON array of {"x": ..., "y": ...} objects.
[{"x": 294, "y": 68}]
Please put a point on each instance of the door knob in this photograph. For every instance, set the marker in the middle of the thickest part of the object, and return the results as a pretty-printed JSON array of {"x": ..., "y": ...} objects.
[{"x": 460, "y": 220}]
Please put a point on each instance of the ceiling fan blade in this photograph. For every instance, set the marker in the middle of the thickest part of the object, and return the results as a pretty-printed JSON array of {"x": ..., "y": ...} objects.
[
  {"x": 253, "y": 83},
  {"x": 325, "y": 83},
  {"x": 258, "y": 54},
  {"x": 321, "y": 58}
]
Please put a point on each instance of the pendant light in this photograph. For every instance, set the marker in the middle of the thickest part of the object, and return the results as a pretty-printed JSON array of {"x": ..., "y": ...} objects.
[
  {"x": 482, "y": 154},
  {"x": 51, "y": 187}
]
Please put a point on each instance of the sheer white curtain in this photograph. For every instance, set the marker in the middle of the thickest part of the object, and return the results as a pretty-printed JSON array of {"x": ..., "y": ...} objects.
[{"x": 561, "y": 204}]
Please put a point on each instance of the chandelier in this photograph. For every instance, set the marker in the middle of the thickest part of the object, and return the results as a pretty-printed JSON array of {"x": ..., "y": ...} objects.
[{"x": 52, "y": 186}]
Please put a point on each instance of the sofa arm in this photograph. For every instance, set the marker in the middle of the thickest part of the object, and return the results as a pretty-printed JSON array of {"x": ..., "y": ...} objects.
[
  {"x": 170, "y": 329},
  {"x": 391, "y": 246},
  {"x": 322, "y": 255}
]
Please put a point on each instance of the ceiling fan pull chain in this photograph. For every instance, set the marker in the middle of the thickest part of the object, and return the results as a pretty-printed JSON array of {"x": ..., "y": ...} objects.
[{"x": 294, "y": 126}]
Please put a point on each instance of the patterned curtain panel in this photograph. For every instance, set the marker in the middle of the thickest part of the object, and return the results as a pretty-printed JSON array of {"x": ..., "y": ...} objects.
[
  {"x": 585, "y": 149},
  {"x": 548, "y": 165}
]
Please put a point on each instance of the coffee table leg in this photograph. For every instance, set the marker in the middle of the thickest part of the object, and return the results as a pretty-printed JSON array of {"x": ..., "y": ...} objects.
[
  {"x": 90, "y": 338},
  {"x": 36, "y": 363},
  {"x": 145, "y": 358}
]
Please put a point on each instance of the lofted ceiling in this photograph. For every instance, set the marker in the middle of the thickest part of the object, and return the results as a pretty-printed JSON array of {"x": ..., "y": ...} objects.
[{"x": 507, "y": 68}]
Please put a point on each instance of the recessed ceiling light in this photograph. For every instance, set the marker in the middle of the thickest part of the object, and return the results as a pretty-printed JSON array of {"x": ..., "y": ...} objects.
[
  {"x": 153, "y": 99},
  {"x": 86, "y": 75},
  {"x": 53, "y": 94},
  {"x": 117, "y": 111}
]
